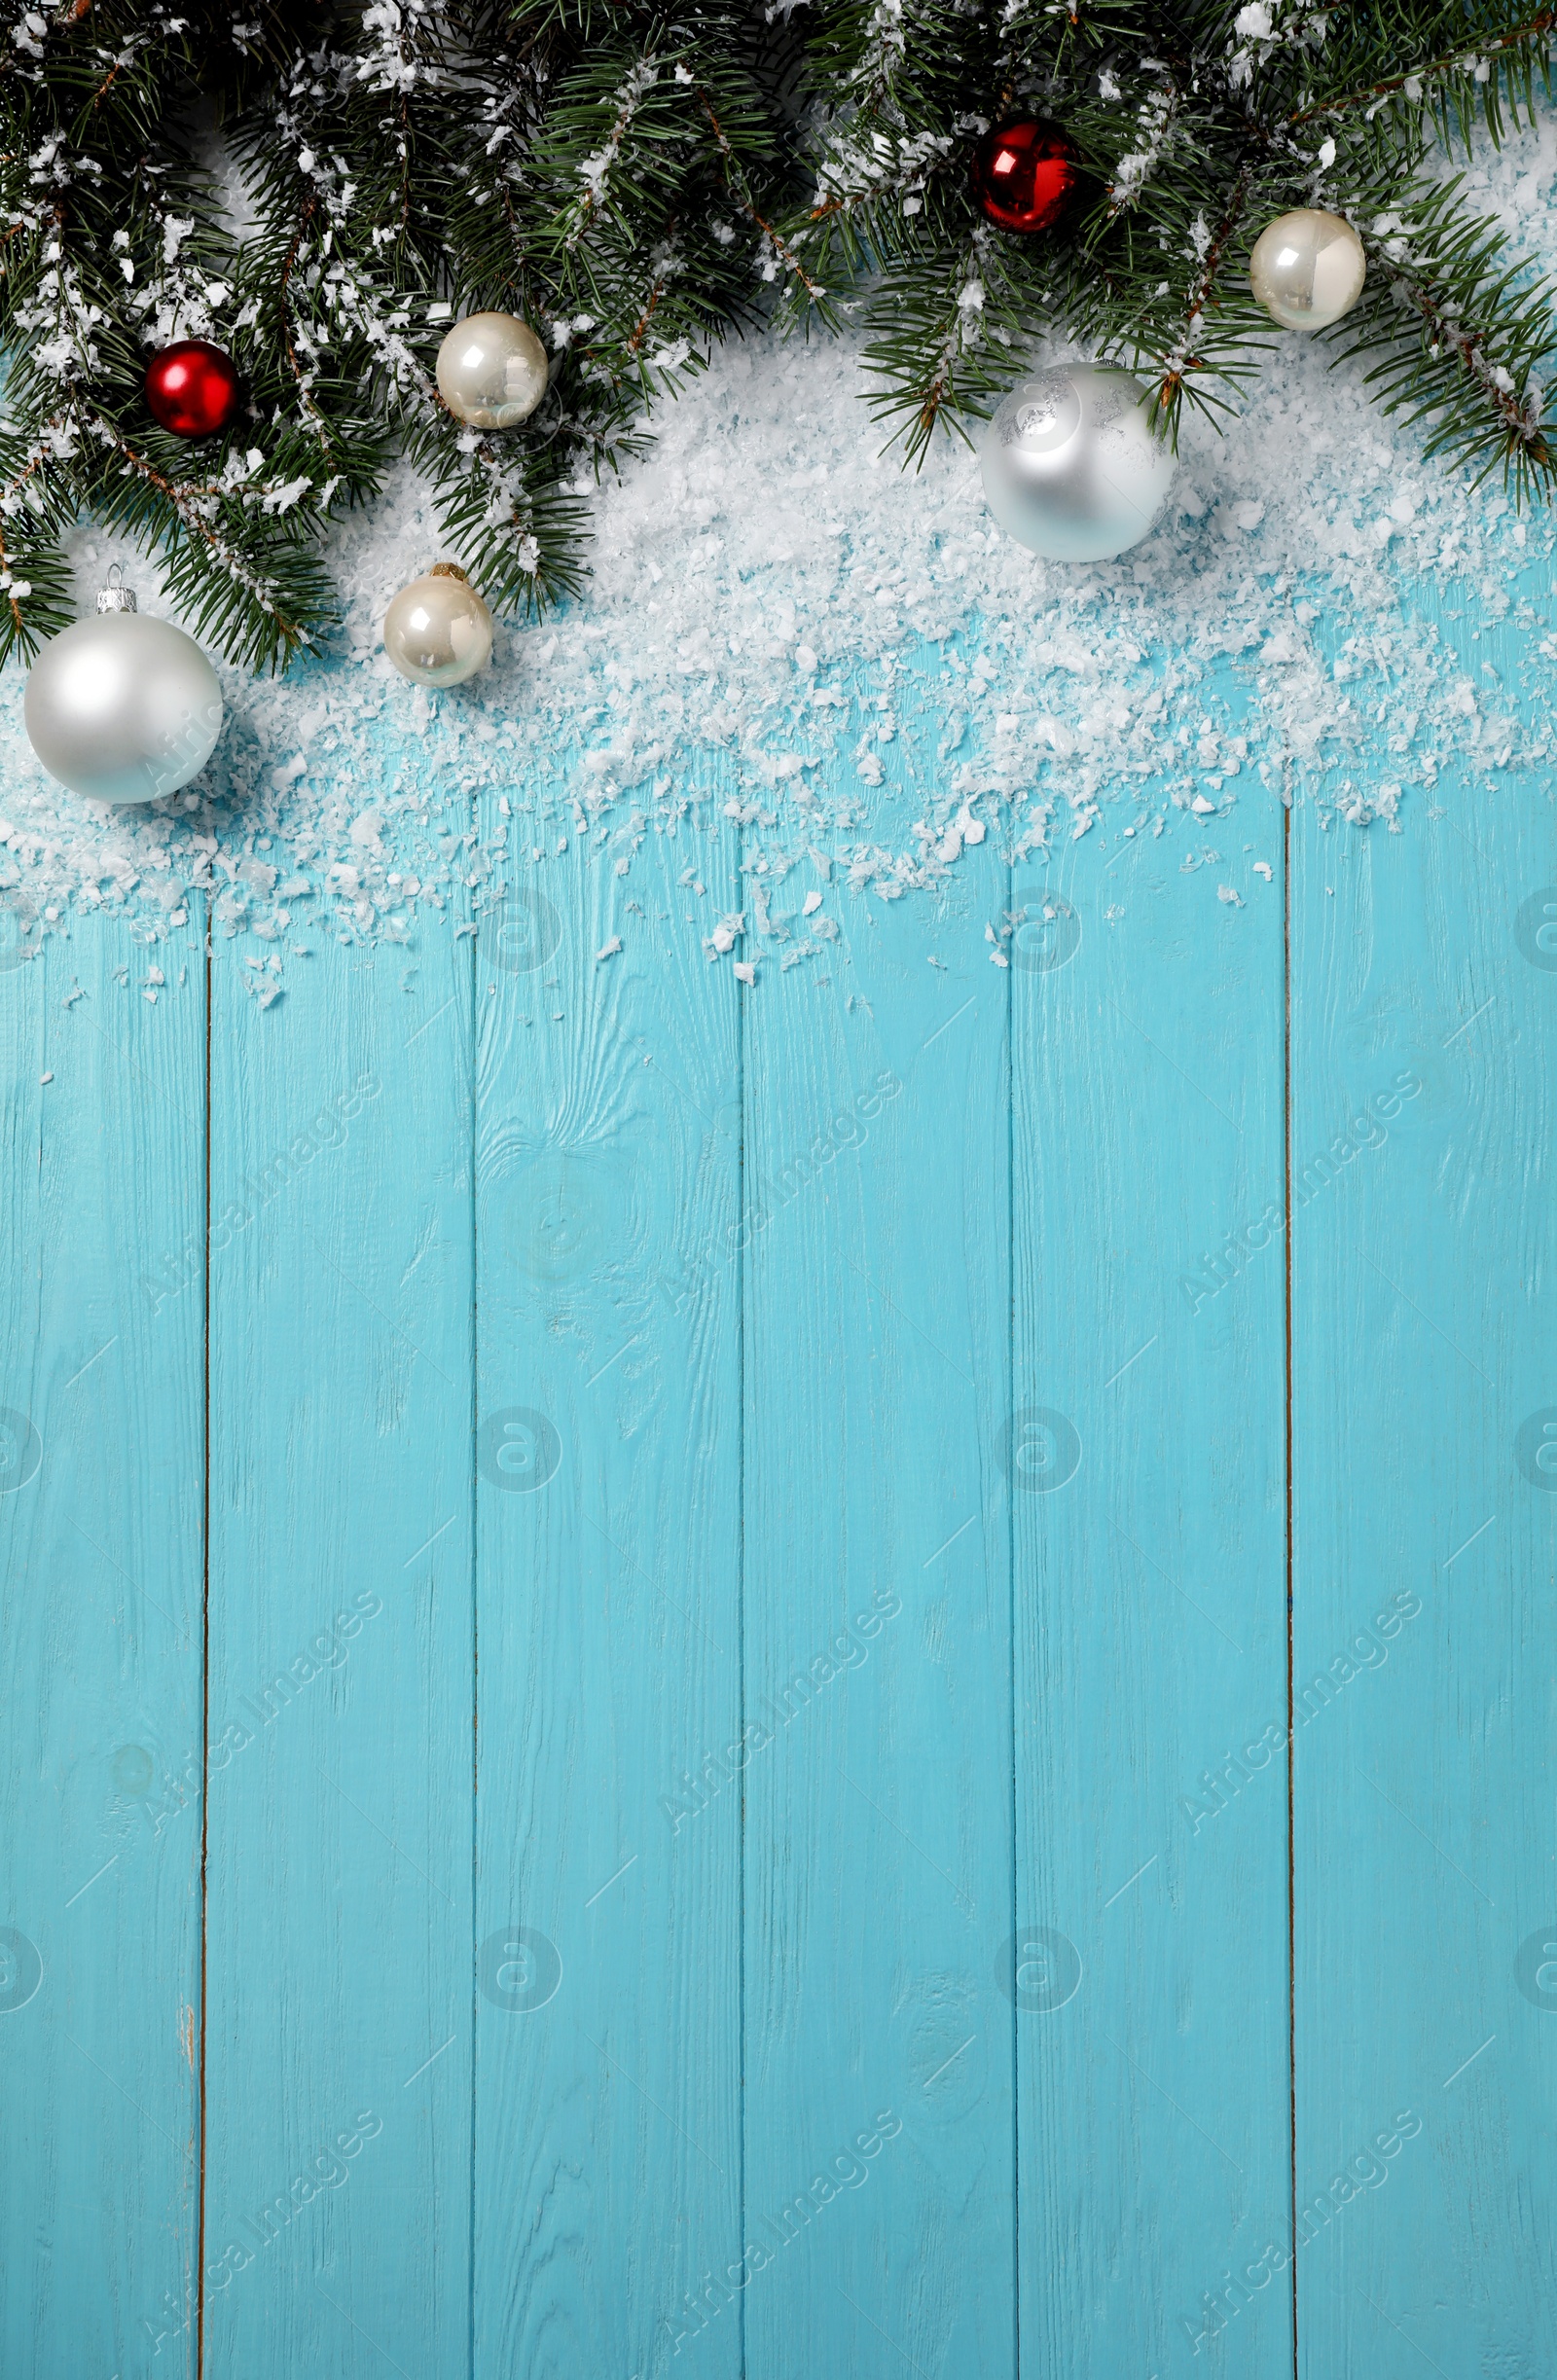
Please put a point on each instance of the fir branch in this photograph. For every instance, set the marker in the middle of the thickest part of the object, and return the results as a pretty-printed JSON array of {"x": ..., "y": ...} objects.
[
  {"x": 734, "y": 182},
  {"x": 189, "y": 515},
  {"x": 635, "y": 184},
  {"x": 1183, "y": 359},
  {"x": 33, "y": 572},
  {"x": 1140, "y": 166},
  {"x": 1460, "y": 336},
  {"x": 1194, "y": 123},
  {"x": 1478, "y": 60}
]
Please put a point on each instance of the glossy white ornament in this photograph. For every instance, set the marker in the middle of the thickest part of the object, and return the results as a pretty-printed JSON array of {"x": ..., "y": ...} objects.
[
  {"x": 121, "y": 707},
  {"x": 1070, "y": 466},
  {"x": 1307, "y": 269},
  {"x": 438, "y": 631},
  {"x": 491, "y": 370}
]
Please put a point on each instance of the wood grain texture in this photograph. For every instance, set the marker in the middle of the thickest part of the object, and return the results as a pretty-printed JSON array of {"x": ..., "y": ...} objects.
[
  {"x": 747, "y": 1829},
  {"x": 101, "y": 1494},
  {"x": 1425, "y": 1560},
  {"x": 337, "y": 2034},
  {"x": 1146, "y": 1467},
  {"x": 880, "y": 2133},
  {"x": 607, "y": 2148}
]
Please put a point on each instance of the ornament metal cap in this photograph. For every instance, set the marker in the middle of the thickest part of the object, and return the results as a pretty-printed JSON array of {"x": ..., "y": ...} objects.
[
  {"x": 439, "y": 570},
  {"x": 116, "y": 596}
]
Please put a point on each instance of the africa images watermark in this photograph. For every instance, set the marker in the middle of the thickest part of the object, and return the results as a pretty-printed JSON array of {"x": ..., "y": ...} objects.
[
  {"x": 326, "y": 1651},
  {"x": 21, "y": 1449},
  {"x": 1211, "y": 1273},
  {"x": 1367, "y": 2170},
  {"x": 20, "y": 1970},
  {"x": 327, "y": 1129},
  {"x": 843, "y": 1131},
  {"x": 847, "y": 1649},
  {"x": 329, "y": 2170},
  {"x": 1365, "y": 1650},
  {"x": 849, "y": 2169}
]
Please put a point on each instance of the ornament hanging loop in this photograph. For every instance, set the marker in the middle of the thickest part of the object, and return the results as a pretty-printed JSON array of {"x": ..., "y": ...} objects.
[{"x": 116, "y": 596}]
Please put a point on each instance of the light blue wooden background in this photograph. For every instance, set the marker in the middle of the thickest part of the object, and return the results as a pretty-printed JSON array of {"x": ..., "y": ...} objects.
[{"x": 459, "y": 1418}]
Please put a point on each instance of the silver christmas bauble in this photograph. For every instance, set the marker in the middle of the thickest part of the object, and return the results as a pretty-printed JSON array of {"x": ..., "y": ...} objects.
[
  {"x": 491, "y": 370},
  {"x": 121, "y": 707},
  {"x": 1307, "y": 269},
  {"x": 1070, "y": 466},
  {"x": 438, "y": 631}
]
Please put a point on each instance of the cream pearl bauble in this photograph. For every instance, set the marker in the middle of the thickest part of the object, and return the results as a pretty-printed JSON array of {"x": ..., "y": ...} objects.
[
  {"x": 491, "y": 370},
  {"x": 438, "y": 631},
  {"x": 1307, "y": 269},
  {"x": 121, "y": 707}
]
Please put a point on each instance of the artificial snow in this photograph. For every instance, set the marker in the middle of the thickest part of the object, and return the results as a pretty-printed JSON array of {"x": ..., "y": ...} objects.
[{"x": 794, "y": 649}]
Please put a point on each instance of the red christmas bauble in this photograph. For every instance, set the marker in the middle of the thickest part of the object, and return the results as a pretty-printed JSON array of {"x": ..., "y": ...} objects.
[
  {"x": 194, "y": 389},
  {"x": 1024, "y": 174}
]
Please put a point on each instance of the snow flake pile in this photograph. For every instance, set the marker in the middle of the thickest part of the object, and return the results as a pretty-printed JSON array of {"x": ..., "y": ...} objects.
[{"x": 791, "y": 643}]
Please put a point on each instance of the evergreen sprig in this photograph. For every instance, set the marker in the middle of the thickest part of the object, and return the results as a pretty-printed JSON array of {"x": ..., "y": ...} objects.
[
  {"x": 112, "y": 243},
  {"x": 324, "y": 186},
  {"x": 1194, "y": 124},
  {"x": 321, "y": 191}
]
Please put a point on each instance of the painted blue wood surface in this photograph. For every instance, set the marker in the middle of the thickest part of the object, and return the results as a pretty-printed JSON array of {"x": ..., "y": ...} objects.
[
  {"x": 337, "y": 2041},
  {"x": 881, "y": 2144},
  {"x": 560, "y": 1358},
  {"x": 606, "y": 2152},
  {"x": 101, "y": 1514},
  {"x": 1424, "y": 1559},
  {"x": 1147, "y": 1464}
]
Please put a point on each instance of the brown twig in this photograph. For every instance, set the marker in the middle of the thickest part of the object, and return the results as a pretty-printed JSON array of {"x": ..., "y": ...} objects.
[
  {"x": 780, "y": 246},
  {"x": 1530, "y": 30},
  {"x": 21, "y": 481},
  {"x": 1172, "y": 383},
  {"x": 940, "y": 381},
  {"x": 624, "y": 117},
  {"x": 1443, "y": 331},
  {"x": 309, "y": 205},
  {"x": 108, "y": 430},
  {"x": 643, "y": 320},
  {"x": 18, "y": 627}
]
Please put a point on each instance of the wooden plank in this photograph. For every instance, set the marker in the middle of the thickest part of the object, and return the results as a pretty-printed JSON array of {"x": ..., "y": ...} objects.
[
  {"x": 1424, "y": 1238},
  {"x": 607, "y": 2151},
  {"x": 880, "y": 2131},
  {"x": 338, "y": 2028},
  {"x": 1146, "y": 1469},
  {"x": 808, "y": 1349},
  {"x": 101, "y": 1503}
]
